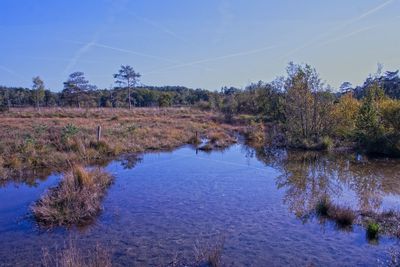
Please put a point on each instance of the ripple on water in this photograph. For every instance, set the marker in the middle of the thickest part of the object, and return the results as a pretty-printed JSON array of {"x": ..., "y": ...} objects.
[{"x": 170, "y": 201}]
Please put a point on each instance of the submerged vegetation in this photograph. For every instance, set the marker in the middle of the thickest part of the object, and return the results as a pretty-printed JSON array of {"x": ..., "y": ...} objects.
[
  {"x": 75, "y": 201},
  {"x": 72, "y": 256}
]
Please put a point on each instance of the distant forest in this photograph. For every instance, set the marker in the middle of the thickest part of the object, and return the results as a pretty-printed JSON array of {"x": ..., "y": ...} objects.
[{"x": 78, "y": 92}]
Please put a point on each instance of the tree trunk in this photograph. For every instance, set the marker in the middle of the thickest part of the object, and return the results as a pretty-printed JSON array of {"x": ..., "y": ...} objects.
[{"x": 129, "y": 97}]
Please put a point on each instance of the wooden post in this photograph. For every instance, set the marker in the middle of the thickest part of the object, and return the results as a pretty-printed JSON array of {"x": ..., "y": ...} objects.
[{"x": 98, "y": 133}]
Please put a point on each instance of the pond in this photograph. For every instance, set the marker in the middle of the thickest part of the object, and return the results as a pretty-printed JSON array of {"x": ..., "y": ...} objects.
[{"x": 259, "y": 201}]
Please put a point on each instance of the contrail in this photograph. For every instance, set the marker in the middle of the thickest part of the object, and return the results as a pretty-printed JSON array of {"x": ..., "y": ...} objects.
[
  {"x": 160, "y": 27},
  {"x": 245, "y": 53},
  {"x": 134, "y": 52},
  {"x": 168, "y": 32},
  {"x": 370, "y": 12},
  {"x": 347, "y": 35},
  {"x": 62, "y": 59},
  {"x": 86, "y": 47},
  {"x": 10, "y": 71},
  {"x": 339, "y": 26}
]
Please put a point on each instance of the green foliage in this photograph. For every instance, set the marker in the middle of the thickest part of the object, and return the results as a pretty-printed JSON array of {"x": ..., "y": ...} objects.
[
  {"x": 308, "y": 105},
  {"x": 69, "y": 130},
  {"x": 38, "y": 91},
  {"x": 165, "y": 100},
  {"x": 374, "y": 129},
  {"x": 229, "y": 107},
  {"x": 372, "y": 230},
  {"x": 327, "y": 143}
]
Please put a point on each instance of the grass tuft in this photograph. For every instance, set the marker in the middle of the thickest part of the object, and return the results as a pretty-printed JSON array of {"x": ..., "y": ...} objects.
[
  {"x": 75, "y": 201},
  {"x": 343, "y": 216},
  {"x": 323, "y": 206}
]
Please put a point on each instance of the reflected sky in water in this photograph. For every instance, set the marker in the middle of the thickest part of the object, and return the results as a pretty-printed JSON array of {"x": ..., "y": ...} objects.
[{"x": 161, "y": 205}]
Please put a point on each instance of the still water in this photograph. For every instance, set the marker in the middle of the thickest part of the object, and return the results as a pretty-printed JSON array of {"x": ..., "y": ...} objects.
[{"x": 259, "y": 201}]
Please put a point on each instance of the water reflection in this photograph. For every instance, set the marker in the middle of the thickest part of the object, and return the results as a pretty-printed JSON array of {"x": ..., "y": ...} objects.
[
  {"x": 307, "y": 176},
  {"x": 31, "y": 178},
  {"x": 169, "y": 200}
]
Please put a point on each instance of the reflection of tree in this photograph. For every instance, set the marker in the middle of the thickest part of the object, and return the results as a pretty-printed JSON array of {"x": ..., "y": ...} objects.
[
  {"x": 371, "y": 180},
  {"x": 307, "y": 176},
  {"x": 28, "y": 177},
  {"x": 129, "y": 161}
]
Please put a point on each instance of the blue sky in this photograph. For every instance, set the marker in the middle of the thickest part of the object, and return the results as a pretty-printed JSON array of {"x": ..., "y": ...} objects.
[{"x": 199, "y": 44}]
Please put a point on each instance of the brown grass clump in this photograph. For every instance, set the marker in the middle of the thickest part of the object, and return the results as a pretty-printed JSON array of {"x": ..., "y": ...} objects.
[
  {"x": 343, "y": 216},
  {"x": 217, "y": 140},
  {"x": 2, "y": 171},
  {"x": 255, "y": 134},
  {"x": 72, "y": 256},
  {"x": 75, "y": 201}
]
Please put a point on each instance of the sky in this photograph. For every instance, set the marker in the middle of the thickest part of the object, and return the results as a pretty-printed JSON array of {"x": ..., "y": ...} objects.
[{"x": 196, "y": 43}]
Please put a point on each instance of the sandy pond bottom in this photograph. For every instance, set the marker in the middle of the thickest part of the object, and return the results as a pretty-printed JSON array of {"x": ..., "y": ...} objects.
[{"x": 170, "y": 201}]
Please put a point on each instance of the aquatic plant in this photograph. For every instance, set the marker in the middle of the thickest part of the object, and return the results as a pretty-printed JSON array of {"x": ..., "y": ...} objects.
[
  {"x": 343, "y": 216},
  {"x": 72, "y": 256},
  {"x": 209, "y": 254},
  {"x": 372, "y": 230},
  {"x": 75, "y": 201}
]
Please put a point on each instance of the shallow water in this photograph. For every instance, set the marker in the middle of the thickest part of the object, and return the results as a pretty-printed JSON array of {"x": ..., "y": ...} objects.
[{"x": 258, "y": 201}]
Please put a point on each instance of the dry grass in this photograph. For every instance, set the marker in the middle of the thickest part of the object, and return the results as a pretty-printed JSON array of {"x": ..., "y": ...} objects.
[
  {"x": 75, "y": 201},
  {"x": 53, "y": 138},
  {"x": 343, "y": 216},
  {"x": 72, "y": 256},
  {"x": 255, "y": 134}
]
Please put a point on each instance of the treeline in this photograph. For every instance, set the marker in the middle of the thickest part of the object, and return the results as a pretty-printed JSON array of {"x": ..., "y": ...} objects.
[
  {"x": 79, "y": 92},
  {"x": 142, "y": 96},
  {"x": 309, "y": 115}
]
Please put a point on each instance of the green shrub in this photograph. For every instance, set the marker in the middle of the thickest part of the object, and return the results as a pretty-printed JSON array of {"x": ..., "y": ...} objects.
[
  {"x": 372, "y": 230},
  {"x": 327, "y": 143},
  {"x": 69, "y": 130}
]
